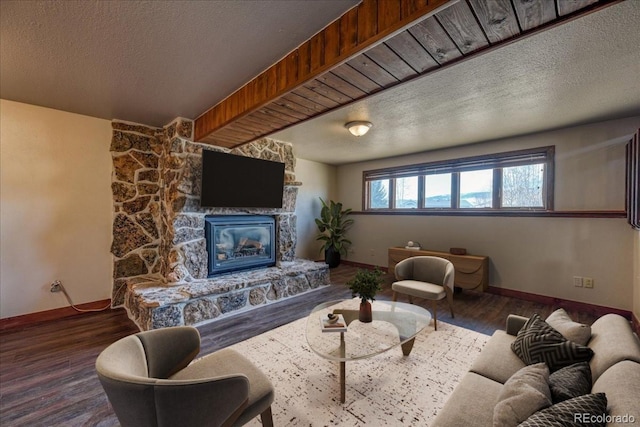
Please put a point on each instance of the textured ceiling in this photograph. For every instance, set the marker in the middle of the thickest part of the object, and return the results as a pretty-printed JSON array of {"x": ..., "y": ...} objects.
[
  {"x": 583, "y": 71},
  {"x": 147, "y": 61}
]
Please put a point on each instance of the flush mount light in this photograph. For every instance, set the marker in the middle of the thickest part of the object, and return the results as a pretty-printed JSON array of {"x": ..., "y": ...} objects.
[{"x": 358, "y": 128}]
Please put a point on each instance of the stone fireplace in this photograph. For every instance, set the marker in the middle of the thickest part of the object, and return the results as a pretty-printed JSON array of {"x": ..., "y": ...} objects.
[{"x": 161, "y": 263}]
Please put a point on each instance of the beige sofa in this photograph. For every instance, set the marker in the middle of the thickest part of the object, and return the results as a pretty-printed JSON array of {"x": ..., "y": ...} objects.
[{"x": 615, "y": 370}]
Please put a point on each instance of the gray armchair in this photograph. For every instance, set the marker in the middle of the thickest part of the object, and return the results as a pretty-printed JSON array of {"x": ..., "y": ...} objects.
[
  {"x": 425, "y": 277},
  {"x": 150, "y": 380}
]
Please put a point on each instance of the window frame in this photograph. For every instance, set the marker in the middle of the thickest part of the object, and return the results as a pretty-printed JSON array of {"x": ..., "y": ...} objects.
[{"x": 540, "y": 155}]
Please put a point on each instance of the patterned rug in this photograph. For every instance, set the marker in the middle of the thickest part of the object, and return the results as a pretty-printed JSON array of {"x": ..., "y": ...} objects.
[{"x": 385, "y": 390}]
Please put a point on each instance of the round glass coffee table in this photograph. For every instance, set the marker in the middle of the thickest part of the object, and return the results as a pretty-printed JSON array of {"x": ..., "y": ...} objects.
[{"x": 394, "y": 324}]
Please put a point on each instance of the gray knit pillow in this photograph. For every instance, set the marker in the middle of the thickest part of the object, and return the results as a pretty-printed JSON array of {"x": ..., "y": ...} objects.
[
  {"x": 573, "y": 331},
  {"x": 526, "y": 392}
]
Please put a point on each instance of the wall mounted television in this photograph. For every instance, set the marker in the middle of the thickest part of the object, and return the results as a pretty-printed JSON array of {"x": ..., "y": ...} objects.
[{"x": 230, "y": 181}]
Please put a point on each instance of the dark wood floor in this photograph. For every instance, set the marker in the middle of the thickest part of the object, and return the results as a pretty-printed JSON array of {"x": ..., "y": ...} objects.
[{"x": 47, "y": 375}]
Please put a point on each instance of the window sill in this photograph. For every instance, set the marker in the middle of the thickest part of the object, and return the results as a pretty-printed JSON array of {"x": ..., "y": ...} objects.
[{"x": 492, "y": 212}]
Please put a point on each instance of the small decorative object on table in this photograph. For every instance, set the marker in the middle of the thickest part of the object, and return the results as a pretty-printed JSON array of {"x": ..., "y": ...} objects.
[
  {"x": 457, "y": 251},
  {"x": 333, "y": 323},
  {"x": 365, "y": 284},
  {"x": 413, "y": 245}
]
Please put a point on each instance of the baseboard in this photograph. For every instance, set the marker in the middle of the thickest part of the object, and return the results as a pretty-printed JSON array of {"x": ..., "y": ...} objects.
[
  {"x": 362, "y": 265},
  {"x": 597, "y": 310},
  {"x": 48, "y": 315}
]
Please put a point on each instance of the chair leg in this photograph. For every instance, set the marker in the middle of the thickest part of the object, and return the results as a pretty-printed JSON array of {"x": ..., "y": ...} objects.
[
  {"x": 434, "y": 306},
  {"x": 267, "y": 418},
  {"x": 450, "y": 302},
  {"x": 395, "y": 296}
]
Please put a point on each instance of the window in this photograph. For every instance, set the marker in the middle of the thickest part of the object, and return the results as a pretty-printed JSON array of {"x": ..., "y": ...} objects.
[
  {"x": 515, "y": 180},
  {"x": 406, "y": 194}
]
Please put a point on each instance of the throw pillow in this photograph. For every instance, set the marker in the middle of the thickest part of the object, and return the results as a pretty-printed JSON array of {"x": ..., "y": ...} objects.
[
  {"x": 570, "y": 381},
  {"x": 538, "y": 342},
  {"x": 589, "y": 410},
  {"x": 526, "y": 392},
  {"x": 573, "y": 331}
]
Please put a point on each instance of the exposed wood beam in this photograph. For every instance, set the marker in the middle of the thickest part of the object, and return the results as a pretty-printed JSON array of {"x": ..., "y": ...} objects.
[{"x": 371, "y": 22}]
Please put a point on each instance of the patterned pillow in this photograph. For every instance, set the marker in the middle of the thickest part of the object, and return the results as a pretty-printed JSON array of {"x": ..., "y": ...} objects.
[
  {"x": 570, "y": 381},
  {"x": 538, "y": 342},
  {"x": 589, "y": 410}
]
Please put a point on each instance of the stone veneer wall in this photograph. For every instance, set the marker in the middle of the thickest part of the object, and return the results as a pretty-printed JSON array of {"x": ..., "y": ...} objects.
[
  {"x": 137, "y": 152},
  {"x": 158, "y": 228}
]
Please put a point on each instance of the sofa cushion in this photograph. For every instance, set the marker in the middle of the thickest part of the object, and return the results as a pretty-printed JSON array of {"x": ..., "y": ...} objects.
[
  {"x": 538, "y": 342},
  {"x": 570, "y": 381},
  {"x": 612, "y": 341},
  {"x": 470, "y": 404},
  {"x": 526, "y": 392},
  {"x": 621, "y": 383},
  {"x": 573, "y": 331},
  {"x": 495, "y": 361},
  {"x": 588, "y": 410}
]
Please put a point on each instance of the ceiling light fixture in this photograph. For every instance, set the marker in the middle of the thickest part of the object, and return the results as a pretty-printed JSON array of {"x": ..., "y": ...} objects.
[{"x": 359, "y": 127}]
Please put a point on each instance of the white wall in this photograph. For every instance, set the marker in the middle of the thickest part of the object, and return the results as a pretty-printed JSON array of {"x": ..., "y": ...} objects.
[
  {"x": 318, "y": 180},
  {"x": 55, "y": 208},
  {"x": 536, "y": 255}
]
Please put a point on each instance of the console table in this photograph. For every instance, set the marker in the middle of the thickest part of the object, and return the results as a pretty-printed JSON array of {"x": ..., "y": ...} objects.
[{"x": 472, "y": 271}]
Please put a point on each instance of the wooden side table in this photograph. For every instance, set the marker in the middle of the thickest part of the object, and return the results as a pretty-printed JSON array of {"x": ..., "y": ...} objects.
[{"x": 472, "y": 271}]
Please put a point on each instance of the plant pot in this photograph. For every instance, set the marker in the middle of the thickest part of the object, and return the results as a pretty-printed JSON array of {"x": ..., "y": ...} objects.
[
  {"x": 332, "y": 257},
  {"x": 365, "y": 315}
]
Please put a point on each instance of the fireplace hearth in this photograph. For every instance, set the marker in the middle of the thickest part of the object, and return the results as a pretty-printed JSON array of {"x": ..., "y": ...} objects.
[{"x": 239, "y": 242}]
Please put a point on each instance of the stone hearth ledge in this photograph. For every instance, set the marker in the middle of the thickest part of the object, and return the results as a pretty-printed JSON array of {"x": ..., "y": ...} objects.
[{"x": 154, "y": 304}]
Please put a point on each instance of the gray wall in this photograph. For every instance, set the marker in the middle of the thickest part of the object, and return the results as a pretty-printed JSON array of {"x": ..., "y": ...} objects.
[
  {"x": 535, "y": 255},
  {"x": 318, "y": 180}
]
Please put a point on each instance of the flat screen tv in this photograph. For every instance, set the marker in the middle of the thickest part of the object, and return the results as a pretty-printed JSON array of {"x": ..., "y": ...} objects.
[{"x": 230, "y": 181}]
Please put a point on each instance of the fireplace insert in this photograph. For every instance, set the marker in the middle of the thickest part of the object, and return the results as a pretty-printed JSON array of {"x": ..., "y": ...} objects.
[{"x": 239, "y": 242}]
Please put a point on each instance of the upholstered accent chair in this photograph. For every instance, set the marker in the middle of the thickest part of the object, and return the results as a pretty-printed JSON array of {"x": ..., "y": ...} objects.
[
  {"x": 427, "y": 277},
  {"x": 151, "y": 379}
]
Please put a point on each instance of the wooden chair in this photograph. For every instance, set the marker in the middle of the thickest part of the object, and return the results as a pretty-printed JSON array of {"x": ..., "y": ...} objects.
[{"x": 425, "y": 277}]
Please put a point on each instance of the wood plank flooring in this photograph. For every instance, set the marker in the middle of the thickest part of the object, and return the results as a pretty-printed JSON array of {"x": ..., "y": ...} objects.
[{"x": 47, "y": 375}]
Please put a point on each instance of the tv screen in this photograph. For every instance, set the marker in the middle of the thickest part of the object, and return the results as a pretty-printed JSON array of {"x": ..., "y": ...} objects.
[{"x": 230, "y": 181}]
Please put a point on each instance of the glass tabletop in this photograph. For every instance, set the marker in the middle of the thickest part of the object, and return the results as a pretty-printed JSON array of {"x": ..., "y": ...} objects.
[{"x": 394, "y": 323}]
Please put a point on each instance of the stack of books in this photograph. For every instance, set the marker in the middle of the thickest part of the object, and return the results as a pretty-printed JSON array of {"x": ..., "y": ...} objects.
[{"x": 338, "y": 326}]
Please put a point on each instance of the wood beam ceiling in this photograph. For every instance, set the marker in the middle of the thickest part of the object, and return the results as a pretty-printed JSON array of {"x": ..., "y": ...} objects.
[
  {"x": 374, "y": 46},
  {"x": 361, "y": 27}
]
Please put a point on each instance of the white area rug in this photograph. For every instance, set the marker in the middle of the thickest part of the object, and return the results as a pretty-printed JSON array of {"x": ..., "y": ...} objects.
[{"x": 385, "y": 390}]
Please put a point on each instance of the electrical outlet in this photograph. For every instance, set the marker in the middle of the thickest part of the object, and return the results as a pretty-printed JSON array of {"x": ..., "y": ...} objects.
[
  {"x": 372, "y": 252},
  {"x": 56, "y": 286},
  {"x": 577, "y": 281},
  {"x": 588, "y": 282}
]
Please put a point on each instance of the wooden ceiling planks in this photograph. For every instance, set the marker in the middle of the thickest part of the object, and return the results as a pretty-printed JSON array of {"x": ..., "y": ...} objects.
[
  {"x": 371, "y": 48},
  {"x": 534, "y": 13},
  {"x": 461, "y": 25},
  {"x": 361, "y": 27},
  {"x": 566, "y": 7},
  {"x": 430, "y": 34},
  {"x": 498, "y": 19}
]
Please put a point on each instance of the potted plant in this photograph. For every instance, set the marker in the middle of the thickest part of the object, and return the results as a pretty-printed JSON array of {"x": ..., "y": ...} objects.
[
  {"x": 333, "y": 223},
  {"x": 364, "y": 285}
]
